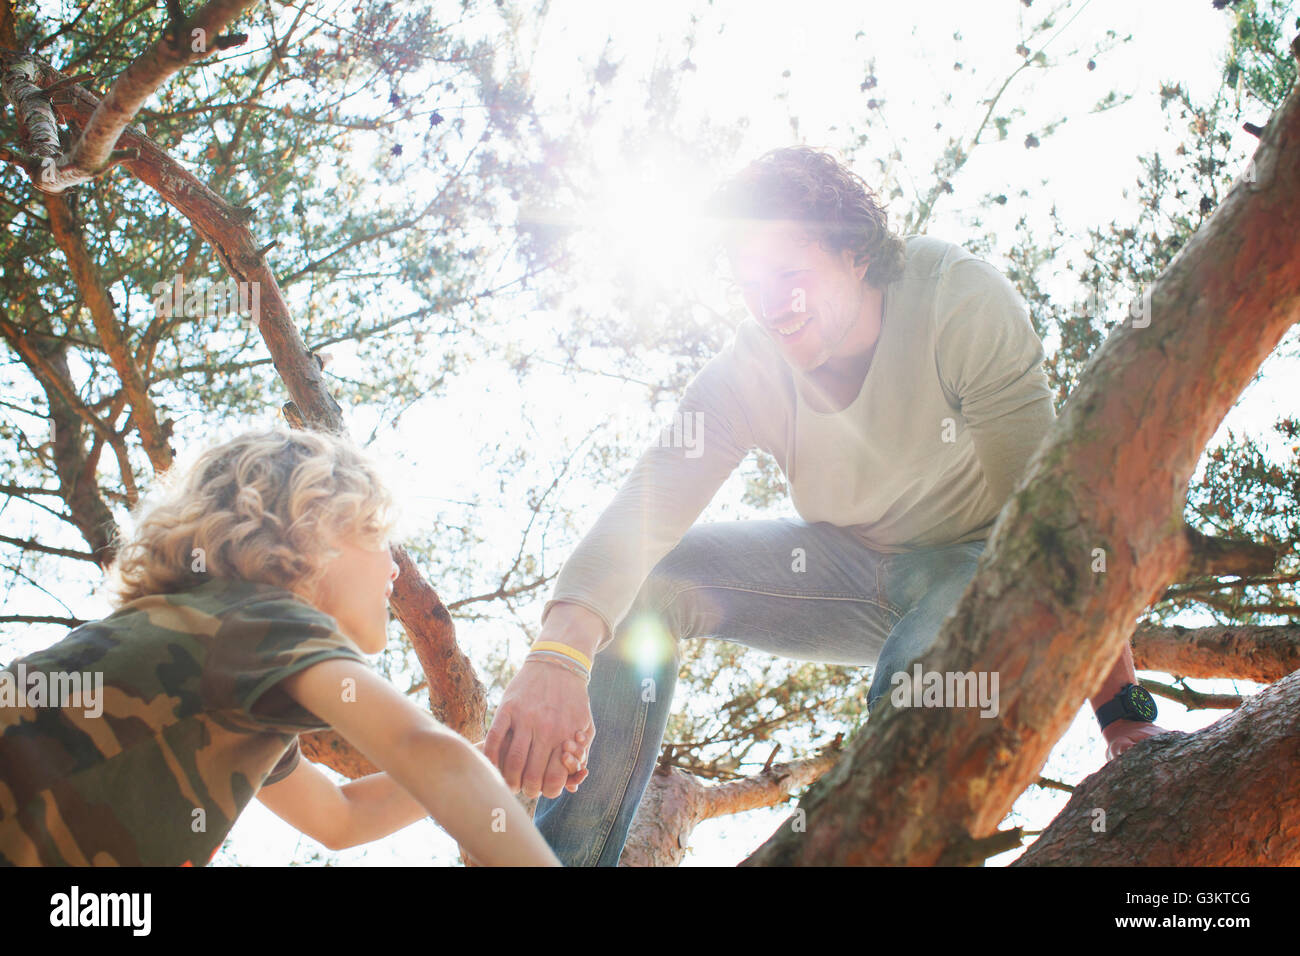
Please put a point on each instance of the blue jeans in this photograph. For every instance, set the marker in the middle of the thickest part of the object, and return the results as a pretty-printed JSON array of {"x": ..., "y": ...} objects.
[{"x": 812, "y": 592}]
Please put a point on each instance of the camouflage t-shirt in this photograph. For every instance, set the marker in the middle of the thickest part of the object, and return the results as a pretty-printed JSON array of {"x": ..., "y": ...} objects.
[{"x": 188, "y": 723}]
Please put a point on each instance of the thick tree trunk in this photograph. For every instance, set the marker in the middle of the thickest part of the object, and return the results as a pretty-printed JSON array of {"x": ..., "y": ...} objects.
[
  {"x": 927, "y": 786},
  {"x": 1227, "y": 795}
]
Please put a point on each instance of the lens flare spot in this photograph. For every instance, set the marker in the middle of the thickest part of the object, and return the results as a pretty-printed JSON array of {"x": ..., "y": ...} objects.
[{"x": 649, "y": 645}]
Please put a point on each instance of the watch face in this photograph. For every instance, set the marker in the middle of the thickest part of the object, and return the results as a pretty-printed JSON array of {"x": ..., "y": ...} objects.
[{"x": 1140, "y": 703}]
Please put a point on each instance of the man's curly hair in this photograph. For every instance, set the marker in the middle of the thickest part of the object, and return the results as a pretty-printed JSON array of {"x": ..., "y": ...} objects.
[{"x": 812, "y": 187}]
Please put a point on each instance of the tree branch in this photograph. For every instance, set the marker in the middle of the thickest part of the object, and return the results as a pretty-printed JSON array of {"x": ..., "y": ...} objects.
[
  {"x": 1211, "y": 557},
  {"x": 1191, "y": 699},
  {"x": 675, "y": 802},
  {"x": 1222, "y": 796},
  {"x": 456, "y": 695},
  {"x": 30, "y": 545},
  {"x": 1245, "y": 652},
  {"x": 67, "y": 233},
  {"x": 94, "y": 150},
  {"x": 40, "y": 619}
]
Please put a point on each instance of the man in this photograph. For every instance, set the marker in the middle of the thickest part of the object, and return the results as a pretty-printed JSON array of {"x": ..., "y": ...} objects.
[{"x": 899, "y": 385}]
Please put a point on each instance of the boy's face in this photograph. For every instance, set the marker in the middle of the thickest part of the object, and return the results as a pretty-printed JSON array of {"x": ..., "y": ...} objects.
[
  {"x": 807, "y": 299},
  {"x": 355, "y": 589}
]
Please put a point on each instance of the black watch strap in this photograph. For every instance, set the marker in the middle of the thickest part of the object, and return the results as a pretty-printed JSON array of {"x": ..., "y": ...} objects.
[
  {"x": 1120, "y": 707},
  {"x": 1110, "y": 711}
]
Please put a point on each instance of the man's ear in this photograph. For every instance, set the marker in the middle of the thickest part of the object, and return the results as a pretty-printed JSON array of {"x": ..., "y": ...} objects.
[{"x": 860, "y": 265}]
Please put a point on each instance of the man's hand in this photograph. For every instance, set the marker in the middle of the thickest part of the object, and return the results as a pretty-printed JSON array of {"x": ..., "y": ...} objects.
[
  {"x": 573, "y": 755},
  {"x": 1122, "y": 734},
  {"x": 543, "y": 707}
]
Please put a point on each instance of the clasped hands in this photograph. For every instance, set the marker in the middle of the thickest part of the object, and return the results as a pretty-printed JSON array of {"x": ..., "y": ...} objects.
[{"x": 541, "y": 735}]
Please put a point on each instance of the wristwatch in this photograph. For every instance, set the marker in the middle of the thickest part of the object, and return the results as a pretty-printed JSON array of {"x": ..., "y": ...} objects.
[{"x": 1131, "y": 703}]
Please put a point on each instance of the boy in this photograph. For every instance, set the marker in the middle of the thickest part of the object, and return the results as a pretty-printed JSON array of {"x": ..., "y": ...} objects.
[{"x": 254, "y": 582}]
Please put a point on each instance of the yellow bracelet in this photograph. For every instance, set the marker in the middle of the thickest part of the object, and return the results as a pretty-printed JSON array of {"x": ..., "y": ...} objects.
[{"x": 570, "y": 652}]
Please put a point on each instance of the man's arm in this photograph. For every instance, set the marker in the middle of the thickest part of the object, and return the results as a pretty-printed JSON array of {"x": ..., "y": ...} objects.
[
  {"x": 669, "y": 486},
  {"x": 1121, "y": 734},
  {"x": 990, "y": 360}
]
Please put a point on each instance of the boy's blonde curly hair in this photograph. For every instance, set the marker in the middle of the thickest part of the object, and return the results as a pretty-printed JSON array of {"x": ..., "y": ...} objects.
[{"x": 264, "y": 506}]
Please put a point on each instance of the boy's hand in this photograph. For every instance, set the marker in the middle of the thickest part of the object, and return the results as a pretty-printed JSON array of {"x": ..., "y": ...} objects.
[{"x": 574, "y": 758}]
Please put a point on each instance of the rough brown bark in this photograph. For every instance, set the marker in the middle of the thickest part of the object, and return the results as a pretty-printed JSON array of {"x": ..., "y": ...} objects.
[
  {"x": 331, "y": 749},
  {"x": 1218, "y": 556},
  {"x": 1240, "y": 651},
  {"x": 8, "y": 36},
  {"x": 919, "y": 785},
  {"x": 676, "y": 802},
  {"x": 76, "y": 465},
  {"x": 456, "y": 695},
  {"x": 1223, "y": 796}
]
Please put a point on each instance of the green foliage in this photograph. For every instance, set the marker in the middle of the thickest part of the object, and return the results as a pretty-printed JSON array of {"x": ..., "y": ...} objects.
[{"x": 382, "y": 147}]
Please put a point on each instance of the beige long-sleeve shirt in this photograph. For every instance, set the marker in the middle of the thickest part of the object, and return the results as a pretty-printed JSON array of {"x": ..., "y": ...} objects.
[{"x": 954, "y": 403}]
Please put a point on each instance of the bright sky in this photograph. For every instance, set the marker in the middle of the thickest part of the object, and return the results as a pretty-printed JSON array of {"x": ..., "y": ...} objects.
[{"x": 742, "y": 49}]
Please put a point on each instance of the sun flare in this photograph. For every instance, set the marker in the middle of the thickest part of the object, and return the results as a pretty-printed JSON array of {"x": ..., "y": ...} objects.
[{"x": 645, "y": 221}]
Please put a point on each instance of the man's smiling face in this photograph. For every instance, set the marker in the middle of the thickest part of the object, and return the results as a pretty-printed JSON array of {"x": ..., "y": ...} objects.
[{"x": 807, "y": 299}]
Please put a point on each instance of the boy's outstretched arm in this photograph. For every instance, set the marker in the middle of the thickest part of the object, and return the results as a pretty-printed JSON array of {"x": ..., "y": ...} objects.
[
  {"x": 447, "y": 776},
  {"x": 368, "y": 808},
  {"x": 339, "y": 817}
]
